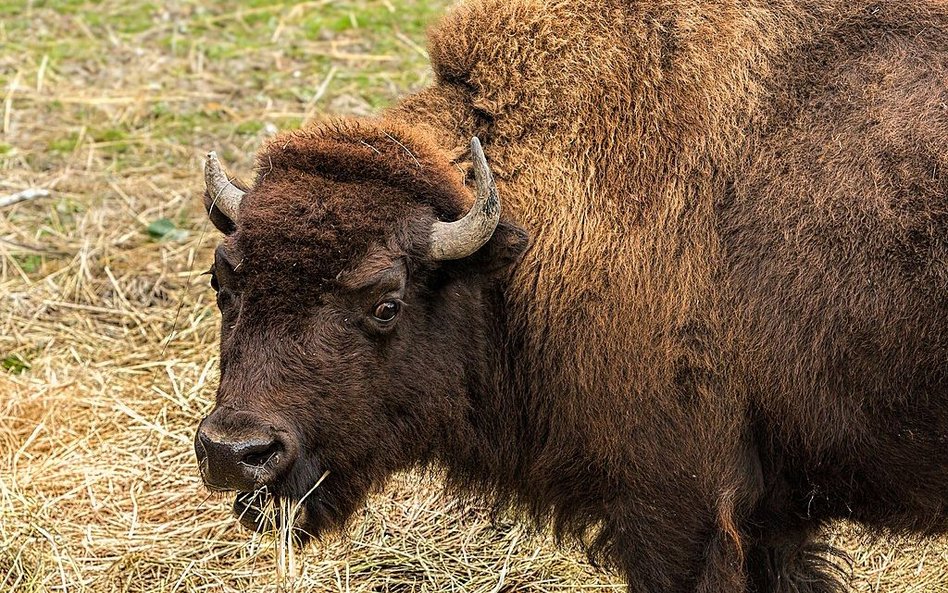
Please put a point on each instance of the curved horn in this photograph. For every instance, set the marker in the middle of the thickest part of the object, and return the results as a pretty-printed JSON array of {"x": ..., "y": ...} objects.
[
  {"x": 454, "y": 240},
  {"x": 225, "y": 196}
]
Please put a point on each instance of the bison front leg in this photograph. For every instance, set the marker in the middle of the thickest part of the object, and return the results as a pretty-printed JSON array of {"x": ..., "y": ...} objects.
[
  {"x": 678, "y": 546},
  {"x": 796, "y": 564},
  {"x": 724, "y": 567},
  {"x": 696, "y": 563},
  {"x": 710, "y": 538},
  {"x": 729, "y": 560}
]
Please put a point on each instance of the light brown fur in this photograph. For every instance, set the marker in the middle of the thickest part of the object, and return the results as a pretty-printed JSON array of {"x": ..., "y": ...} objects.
[{"x": 753, "y": 194}]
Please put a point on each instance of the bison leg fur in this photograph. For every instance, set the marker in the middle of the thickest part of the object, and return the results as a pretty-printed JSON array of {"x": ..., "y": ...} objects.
[{"x": 802, "y": 566}]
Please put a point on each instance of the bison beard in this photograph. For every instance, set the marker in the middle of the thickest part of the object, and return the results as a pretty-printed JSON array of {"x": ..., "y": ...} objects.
[{"x": 730, "y": 327}]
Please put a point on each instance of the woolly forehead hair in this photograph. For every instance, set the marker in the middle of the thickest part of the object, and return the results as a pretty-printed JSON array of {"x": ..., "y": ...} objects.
[{"x": 325, "y": 194}]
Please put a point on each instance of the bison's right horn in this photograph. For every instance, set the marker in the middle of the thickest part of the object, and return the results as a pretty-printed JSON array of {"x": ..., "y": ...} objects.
[
  {"x": 224, "y": 195},
  {"x": 454, "y": 240}
]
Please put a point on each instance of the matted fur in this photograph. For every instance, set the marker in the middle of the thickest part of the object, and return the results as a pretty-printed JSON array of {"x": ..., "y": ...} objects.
[
  {"x": 311, "y": 192},
  {"x": 731, "y": 325}
]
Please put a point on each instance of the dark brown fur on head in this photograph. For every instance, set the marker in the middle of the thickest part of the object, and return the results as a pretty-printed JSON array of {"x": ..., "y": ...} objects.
[
  {"x": 324, "y": 195},
  {"x": 337, "y": 221}
]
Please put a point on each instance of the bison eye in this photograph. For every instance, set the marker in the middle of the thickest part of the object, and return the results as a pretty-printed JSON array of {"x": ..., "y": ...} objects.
[
  {"x": 225, "y": 298},
  {"x": 386, "y": 311}
]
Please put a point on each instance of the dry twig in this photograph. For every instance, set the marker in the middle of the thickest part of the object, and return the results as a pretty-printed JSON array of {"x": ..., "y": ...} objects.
[{"x": 23, "y": 196}]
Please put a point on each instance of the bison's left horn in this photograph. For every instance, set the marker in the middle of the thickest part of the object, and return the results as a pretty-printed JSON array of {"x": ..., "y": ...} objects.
[
  {"x": 224, "y": 195},
  {"x": 454, "y": 240}
]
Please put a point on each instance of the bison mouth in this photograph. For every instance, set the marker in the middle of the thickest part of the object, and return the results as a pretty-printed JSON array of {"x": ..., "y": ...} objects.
[
  {"x": 265, "y": 510},
  {"x": 255, "y": 510}
]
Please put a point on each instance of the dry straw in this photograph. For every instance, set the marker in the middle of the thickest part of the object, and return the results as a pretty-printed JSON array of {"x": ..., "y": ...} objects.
[{"x": 108, "y": 335}]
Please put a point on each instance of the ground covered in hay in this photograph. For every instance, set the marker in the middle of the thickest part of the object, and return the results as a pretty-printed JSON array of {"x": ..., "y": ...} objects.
[{"x": 108, "y": 330}]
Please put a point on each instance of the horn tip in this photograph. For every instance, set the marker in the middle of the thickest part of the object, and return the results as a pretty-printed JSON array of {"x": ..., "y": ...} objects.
[{"x": 212, "y": 165}]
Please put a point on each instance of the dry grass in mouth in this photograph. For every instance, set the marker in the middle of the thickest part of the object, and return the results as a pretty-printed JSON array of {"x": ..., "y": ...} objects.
[
  {"x": 108, "y": 332},
  {"x": 289, "y": 511}
]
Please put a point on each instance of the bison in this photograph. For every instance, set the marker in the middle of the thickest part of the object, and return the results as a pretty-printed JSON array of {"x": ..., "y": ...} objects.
[{"x": 690, "y": 307}]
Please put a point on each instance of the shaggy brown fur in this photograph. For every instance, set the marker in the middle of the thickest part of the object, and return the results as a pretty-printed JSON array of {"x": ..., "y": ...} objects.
[{"x": 731, "y": 325}]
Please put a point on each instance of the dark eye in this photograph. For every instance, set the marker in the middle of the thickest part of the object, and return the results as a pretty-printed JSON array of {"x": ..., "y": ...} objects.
[
  {"x": 386, "y": 311},
  {"x": 225, "y": 298}
]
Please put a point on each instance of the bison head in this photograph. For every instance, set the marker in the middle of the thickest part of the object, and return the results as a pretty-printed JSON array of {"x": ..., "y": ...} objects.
[{"x": 355, "y": 298}]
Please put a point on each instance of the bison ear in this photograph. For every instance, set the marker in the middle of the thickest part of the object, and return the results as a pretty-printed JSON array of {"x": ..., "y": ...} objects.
[
  {"x": 505, "y": 248},
  {"x": 220, "y": 220}
]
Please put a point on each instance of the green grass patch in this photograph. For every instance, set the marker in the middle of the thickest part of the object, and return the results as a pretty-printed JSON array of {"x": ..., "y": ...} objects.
[
  {"x": 64, "y": 144},
  {"x": 112, "y": 140},
  {"x": 164, "y": 229},
  {"x": 30, "y": 263},
  {"x": 249, "y": 128},
  {"x": 109, "y": 135},
  {"x": 15, "y": 363}
]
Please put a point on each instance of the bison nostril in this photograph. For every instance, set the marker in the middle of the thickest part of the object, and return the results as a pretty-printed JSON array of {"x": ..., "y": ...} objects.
[
  {"x": 236, "y": 451},
  {"x": 261, "y": 454},
  {"x": 241, "y": 464}
]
